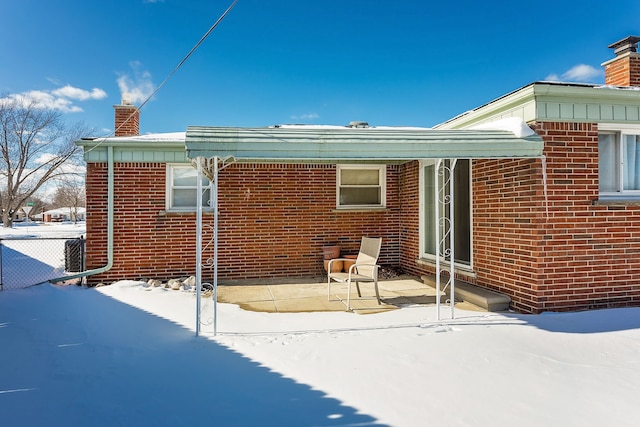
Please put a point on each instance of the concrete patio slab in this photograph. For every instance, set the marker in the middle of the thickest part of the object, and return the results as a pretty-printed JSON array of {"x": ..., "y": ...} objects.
[
  {"x": 305, "y": 305},
  {"x": 297, "y": 290},
  {"x": 262, "y": 306},
  {"x": 245, "y": 293},
  {"x": 310, "y": 295}
]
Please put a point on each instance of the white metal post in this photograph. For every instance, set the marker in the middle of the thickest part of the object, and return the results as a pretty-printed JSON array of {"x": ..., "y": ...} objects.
[
  {"x": 452, "y": 270},
  {"x": 215, "y": 245},
  {"x": 198, "y": 242},
  {"x": 436, "y": 193}
]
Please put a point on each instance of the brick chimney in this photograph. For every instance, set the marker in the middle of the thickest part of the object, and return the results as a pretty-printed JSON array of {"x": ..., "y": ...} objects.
[
  {"x": 127, "y": 120},
  {"x": 624, "y": 69}
]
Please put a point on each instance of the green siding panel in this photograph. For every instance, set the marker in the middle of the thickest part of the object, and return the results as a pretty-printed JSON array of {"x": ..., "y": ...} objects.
[
  {"x": 146, "y": 148},
  {"x": 563, "y": 102}
]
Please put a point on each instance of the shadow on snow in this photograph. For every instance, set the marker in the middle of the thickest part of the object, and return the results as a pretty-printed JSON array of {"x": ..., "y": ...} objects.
[
  {"x": 21, "y": 270},
  {"x": 92, "y": 360}
]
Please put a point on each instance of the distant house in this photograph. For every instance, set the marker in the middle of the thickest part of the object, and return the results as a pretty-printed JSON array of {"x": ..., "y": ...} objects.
[
  {"x": 559, "y": 232},
  {"x": 62, "y": 214}
]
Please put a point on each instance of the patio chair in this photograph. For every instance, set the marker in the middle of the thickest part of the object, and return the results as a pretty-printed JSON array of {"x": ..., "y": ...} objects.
[{"x": 365, "y": 269}]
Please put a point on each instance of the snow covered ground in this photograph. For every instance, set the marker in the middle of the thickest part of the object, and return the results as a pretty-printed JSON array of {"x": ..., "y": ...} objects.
[
  {"x": 34, "y": 252},
  {"x": 60, "y": 230},
  {"x": 127, "y": 354}
]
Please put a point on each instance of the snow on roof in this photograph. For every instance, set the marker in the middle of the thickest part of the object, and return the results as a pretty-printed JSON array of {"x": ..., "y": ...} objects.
[
  {"x": 156, "y": 137},
  {"x": 64, "y": 211},
  {"x": 515, "y": 125},
  {"x": 632, "y": 88},
  {"x": 149, "y": 137},
  {"x": 320, "y": 127}
]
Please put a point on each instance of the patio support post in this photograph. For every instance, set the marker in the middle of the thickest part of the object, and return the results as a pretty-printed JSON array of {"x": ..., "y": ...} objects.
[
  {"x": 444, "y": 229},
  {"x": 215, "y": 245},
  {"x": 198, "y": 243},
  {"x": 213, "y": 176},
  {"x": 452, "y": 270},
  {"x": 436, "y": 231}
]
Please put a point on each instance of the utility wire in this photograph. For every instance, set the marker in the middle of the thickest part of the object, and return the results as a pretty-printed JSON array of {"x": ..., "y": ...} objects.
[{"x": 193, "y": 49}]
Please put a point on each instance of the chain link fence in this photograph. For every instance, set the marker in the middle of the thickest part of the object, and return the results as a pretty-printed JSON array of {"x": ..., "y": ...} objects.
[{"x": 28, "y": 261}]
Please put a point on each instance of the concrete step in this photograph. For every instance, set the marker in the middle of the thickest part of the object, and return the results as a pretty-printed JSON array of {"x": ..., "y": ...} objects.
[{"x": 476, "y": 295}]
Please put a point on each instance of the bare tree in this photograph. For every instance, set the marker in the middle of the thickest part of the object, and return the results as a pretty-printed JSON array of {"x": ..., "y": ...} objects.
[
  {"x": 70, "y": 194},
  {"x": 34, "y": 143}
]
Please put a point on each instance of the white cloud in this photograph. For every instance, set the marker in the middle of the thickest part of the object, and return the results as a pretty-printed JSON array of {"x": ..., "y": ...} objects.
[
  {"x": 61, "y": 99},
  {"x": 578, "y": 73},
  {"x": 43, "y": 99},
  {"x": 138, "y": 88},
  {"x": 71, "y": 92},
  {"x": 308, "y": 116}
]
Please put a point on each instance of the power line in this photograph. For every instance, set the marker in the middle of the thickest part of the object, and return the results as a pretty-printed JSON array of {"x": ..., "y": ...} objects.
[
  {"x": 193, "y": 49},
  {"x": 177, "y": 67}
]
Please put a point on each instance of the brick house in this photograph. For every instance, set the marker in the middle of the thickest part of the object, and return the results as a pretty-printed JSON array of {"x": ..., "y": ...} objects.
[
  {"x": 585, "y": 252},
  {"x": 555, "y": 233}
]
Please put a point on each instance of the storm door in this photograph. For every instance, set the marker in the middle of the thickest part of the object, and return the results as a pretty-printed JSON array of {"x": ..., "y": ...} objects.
[{"x": 462, "y": 209}]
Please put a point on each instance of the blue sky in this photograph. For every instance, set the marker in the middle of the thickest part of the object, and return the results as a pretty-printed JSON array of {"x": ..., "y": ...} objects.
[{"x": 400, "y": 62}]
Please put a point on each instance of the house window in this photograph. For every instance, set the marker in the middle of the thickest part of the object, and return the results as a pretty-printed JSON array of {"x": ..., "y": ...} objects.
[
  {"x": 182, "y": 181},
  {"x": 619, "y": 163},
  {"x": 461, "y": 215},
  {"x": 361, "y": 186}
]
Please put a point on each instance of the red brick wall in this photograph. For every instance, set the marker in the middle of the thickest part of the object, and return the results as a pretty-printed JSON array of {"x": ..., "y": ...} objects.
[
  {"x": 508, "y": 207},
  {"x": 127, "y": 120},
  {"x": 582, "y": 255},
  {"x": 592, "y": 250},
  {"x": 624, "y": 71},
  {"x": 147, "y": 242},
  {"x": 410, "y": 214},
  {"x": 274, "y": 219}
]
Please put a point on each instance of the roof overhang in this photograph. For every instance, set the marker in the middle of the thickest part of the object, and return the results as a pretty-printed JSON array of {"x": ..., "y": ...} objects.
[
  {"x": 556, "y": 102},
  {"x": 298, "y": 144}
]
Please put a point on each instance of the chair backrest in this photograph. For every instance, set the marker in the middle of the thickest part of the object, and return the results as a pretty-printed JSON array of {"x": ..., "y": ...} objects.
[{"x": 369, "y": 253}]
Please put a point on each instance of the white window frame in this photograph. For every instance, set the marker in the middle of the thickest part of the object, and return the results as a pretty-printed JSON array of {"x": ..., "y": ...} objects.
[
  {"x": 619, "y": 130},
  {"x": 170, "y": 187},
  {"x": 382, "y": 184}
]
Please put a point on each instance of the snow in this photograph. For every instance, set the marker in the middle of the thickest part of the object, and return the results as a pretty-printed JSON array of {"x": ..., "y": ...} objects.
[
  {"x": 151, "y": 137},
  {"x": 25, "y": 261},
  {"x": 127, "y": 354},
  {"x": 515, "y": 125},
  {"x": 30, "y": 229},
  {"x": 338, "y": 127}
]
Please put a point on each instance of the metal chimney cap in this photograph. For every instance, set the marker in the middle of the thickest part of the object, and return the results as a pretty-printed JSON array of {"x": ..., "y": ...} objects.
[
  {"x": 357, "y": 124},
  {"x": 628, "y": 44}
]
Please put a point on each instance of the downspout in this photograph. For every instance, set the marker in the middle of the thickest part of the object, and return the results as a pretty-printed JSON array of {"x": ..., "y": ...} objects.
[{"x": 110, "y": 222}]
